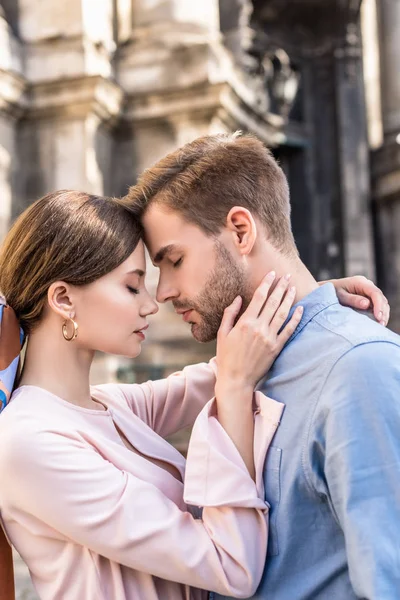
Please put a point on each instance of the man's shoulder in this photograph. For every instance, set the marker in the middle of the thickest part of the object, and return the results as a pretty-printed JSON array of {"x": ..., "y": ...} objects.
[
  {"x": 365, "y": 374},
  {"x": 353, "y": 328}
]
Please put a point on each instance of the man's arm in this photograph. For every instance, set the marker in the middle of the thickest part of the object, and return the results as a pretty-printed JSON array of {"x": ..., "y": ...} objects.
[{"x": 359, "y": 415}]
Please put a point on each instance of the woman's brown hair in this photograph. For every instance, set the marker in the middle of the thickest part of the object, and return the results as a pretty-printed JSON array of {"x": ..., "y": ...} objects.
[
  {"x": 66, "y": 235},
  {"x": 69, "y": 236}
]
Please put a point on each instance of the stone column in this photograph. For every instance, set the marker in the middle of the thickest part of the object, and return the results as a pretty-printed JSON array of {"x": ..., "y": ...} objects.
[
  {"x": 389, "y": 27},
  {"x": 12, "y": 89},
  {"x": 169, "y": 70},
  {"x": 66, "y": 39},
  {"x": 198, "y": 15},
  {"x": 66, "y": 137},
  {"x": 169, "y": 46},
  {"x": 386, "y": 160},
  {"x": 353, "y": 153}
]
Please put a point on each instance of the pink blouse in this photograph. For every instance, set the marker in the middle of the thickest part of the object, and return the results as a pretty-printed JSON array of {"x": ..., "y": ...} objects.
[{"x": 94, "y": 520}]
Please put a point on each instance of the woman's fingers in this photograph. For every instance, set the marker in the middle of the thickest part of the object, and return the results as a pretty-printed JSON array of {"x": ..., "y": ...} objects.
[
  {"x": 290, "y": 328},
  {"x": 274, "y": 301},
  {"x": 260, "y": 296},
  {"x": 385, "y": 316},
  {"x": 230, "y": 314},
  {"x": 283, "y": 311}
]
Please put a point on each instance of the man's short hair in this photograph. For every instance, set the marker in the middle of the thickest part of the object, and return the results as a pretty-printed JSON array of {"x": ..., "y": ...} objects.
[{"x": 205, "y": 178}]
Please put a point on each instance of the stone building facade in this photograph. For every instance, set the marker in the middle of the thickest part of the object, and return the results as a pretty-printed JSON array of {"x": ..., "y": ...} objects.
[{"x": 93, "y": 91}]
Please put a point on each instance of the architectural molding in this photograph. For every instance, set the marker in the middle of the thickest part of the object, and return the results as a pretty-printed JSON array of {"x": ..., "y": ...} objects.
[
  {"x": 13, "y": 94},
  {"x": 75, "y": 97}
]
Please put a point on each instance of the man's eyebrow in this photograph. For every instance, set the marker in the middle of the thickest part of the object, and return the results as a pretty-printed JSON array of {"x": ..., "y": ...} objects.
[
  {"x": 162, "y": 252},
  {"x": 137, "y": 272}
]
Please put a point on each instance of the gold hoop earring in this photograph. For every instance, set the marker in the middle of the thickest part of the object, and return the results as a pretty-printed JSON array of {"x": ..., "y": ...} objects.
[{"x": 65, "y": 330}]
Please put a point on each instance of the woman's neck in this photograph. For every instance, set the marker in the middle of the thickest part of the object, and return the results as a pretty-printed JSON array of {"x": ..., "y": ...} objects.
[{"x": 58, "y": 366}]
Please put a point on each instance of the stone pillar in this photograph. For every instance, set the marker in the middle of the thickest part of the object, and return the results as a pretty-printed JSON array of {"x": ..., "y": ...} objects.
[
  {"x": 12, "y": 89},
  {"x": 66, "y": 40},
  {"x": 389, "y": 24},
  {"x": 386, "y": 160},
  {"x": 66, "y": 137},
  {"x": 169, "y": 71},
  {"x": 353, "y": 155},
  {"x": 199, "y": 15},
  {"x": 170, "y": 45}
]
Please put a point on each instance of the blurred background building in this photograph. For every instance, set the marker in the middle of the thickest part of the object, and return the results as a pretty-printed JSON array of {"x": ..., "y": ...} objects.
[{"x": 94, "y": 91}]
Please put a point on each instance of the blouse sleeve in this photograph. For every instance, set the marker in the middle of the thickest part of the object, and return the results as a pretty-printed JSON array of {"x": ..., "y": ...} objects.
[
  {"x": 66, "y": 484},
  {"x": 170, "y": 404}
]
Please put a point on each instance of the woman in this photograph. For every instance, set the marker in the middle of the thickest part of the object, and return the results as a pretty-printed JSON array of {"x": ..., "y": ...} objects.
[{"x": 91, "y": 496}]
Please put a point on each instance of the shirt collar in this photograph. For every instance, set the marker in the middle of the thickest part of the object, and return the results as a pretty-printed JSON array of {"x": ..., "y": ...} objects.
[{"x": 319, "y": 299}]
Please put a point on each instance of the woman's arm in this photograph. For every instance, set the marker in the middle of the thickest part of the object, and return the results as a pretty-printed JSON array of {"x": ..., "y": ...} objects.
[
  {"x": 245, "y": 353},
  {"x": 170, "y": 404},
  {"x": 85, "y": 498},
  {"x": 61, "y": 481},
  {"x": 361, "y": 293}
]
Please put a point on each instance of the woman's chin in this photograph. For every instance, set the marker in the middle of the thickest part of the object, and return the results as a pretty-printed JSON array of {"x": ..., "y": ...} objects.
[
  {"x": 129, "y": 353},
  {"x": 132, "y": 353},
  {"x": 126, "y": 352}
]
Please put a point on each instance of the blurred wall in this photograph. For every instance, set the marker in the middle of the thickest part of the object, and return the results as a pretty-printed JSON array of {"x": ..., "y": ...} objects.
[{"x": 94, "y": 91}]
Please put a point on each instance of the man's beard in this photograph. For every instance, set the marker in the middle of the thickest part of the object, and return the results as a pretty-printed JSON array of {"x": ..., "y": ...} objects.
[{"x": 227, "y": 280}]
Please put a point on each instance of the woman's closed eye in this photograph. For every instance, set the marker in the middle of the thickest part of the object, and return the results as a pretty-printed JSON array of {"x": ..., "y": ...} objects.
[
  {"x": 178, "y": 263},
  {"x": 132, "y": 290}
]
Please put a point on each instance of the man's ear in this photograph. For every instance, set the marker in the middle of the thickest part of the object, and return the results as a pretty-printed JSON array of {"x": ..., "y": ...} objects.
[
  {"x": 241, "y": 224},
  {"x": 60, "y": 300}
]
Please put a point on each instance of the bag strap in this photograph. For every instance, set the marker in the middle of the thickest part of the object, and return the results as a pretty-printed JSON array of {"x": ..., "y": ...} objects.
[{"x": 7, "y": 588}]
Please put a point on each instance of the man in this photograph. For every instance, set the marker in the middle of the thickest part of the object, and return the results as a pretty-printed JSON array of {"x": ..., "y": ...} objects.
[{"x": 216, "y": 216}]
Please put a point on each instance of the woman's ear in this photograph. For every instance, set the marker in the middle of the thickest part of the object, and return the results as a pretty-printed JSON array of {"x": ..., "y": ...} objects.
[
  {"x": 59, "y": 299},
  {"x": 241, "y": 224}
]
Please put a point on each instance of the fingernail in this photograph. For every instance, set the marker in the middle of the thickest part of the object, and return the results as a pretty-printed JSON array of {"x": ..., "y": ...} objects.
[
  {"x": 288, "y": 276},
  {"x": 364, "y": 303},
  {"x": 292, "y": 290},
  {"x": 300, "y": 309},
  {"x": 383, "y": 323},
  {"x": 380, "y": 315},
  {"x": 271, "y": 275}
]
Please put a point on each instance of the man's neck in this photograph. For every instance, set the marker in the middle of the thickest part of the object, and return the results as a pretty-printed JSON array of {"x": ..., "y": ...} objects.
[{"x": 301, "y": 277}]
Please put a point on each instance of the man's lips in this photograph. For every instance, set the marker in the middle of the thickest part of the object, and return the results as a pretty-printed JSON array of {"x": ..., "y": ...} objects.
[{"x": 185, "y": 314}]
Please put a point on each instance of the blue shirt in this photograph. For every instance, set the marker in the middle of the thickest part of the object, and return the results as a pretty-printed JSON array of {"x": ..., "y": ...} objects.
[{"x": 332, "y": 475}]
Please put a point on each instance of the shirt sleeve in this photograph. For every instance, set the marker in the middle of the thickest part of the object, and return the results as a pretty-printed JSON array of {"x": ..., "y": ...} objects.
[
  {"x": 67, "y": 485},
  {"x": 170, "y": 404},
  {"x": 359, "y": 425}
]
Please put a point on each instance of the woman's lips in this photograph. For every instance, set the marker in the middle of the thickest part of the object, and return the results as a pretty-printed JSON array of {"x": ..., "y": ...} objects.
[{"x": 140, "y": 332}]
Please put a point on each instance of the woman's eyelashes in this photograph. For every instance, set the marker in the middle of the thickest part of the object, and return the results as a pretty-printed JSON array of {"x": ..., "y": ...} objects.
[
  {"x": 178, "y": 262},
  {"x": 132, "y": 290}
]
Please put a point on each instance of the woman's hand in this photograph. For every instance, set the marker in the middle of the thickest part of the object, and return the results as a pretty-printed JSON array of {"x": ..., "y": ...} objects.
[
  {"x": 361, "y": 293},
  {"x": 246, "y": 350}
]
